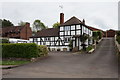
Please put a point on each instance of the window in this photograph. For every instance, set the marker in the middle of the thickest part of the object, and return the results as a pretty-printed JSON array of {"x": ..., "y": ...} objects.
[
  {"x": 61, "y": 33},
  {"x": 78, "y": 32},
  {"x": 67, "y": 28},
  {"x": 72, "y": 32},
  {"x": 47, "y": 39},
  {"x": 52, "y": 43},
  {"x": 67, "y": 32},
  {"x": 73, "y": 27},
  {"x": 78, "y": 27},
  {"x": 61, "y": 28},
  {"x": 67, "y": 39},
  {"x": 35, "y": 39},
  {"x": 47, "y": 43},
  {"x": 38, "y": 39},
  {"x": 52, "y": 38}
]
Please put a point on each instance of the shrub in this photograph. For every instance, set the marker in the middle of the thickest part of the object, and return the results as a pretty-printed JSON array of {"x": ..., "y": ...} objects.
[
  {"x": 71, "y": 44},
  {"x": 4, "y": 41},
  {"x": 43, "y": 50},
  {"x": 19, "y": 50},
  {"x": 99, "y": 34},
  {"x": 89, "y": 48},
  {"x": 118, "y": 39},
  {"x": 118, "y": 33}
]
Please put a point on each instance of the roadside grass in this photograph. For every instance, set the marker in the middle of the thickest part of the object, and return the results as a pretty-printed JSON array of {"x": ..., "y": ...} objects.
[{"x": 13, "y": 62}]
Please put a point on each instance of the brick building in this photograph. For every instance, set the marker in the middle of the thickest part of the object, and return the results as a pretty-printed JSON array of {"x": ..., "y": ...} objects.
[
  {"x": 19, "y": 32},
  {"x": 110, "y": 33}
]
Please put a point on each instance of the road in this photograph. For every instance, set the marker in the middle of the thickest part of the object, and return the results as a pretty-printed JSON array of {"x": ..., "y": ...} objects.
[{"x": 100, "y": 64}]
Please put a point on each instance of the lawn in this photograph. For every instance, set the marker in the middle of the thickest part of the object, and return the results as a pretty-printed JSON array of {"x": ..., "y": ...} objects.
[{"x": 13, "y": 62}]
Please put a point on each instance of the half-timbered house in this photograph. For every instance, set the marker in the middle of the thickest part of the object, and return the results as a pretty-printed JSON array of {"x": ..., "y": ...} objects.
[{"x": 59, "y": 38}]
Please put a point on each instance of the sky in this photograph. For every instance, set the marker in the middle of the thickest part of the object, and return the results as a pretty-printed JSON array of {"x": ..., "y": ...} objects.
[{"x": 102, "y": 15}]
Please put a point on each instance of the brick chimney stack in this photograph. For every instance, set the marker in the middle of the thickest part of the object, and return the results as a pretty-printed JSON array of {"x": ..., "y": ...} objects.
[
  {"x": 28, "y": 31},
  {"x": 61, "y": 18},
  {"x": 27, "y": 24}
]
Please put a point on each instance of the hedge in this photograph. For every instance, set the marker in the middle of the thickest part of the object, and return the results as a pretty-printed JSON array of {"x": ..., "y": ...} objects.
[
  {"x": 4, "y": 41},
  {"x": 19, "y": 50}
]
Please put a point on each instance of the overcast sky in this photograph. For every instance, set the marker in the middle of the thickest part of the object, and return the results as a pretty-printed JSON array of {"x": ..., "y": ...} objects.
[{"x": 103, "y": 15}]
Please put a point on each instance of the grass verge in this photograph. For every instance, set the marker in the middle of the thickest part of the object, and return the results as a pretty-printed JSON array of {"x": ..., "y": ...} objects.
[{"x": 13, "y": 62}]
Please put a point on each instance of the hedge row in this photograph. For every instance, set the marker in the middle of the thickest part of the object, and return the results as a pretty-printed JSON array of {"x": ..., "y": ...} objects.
[
  {"x": 4, "y": 41},
  {"x": 20, "y": 50}
]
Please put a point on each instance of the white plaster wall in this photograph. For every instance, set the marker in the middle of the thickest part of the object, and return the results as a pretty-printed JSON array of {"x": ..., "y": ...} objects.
[
  {"x": 38, "y": 39},
  {"x": 58, "y": 47},
  {"x": 30, "y": 39},
  {"x": 73, "y": 44}
]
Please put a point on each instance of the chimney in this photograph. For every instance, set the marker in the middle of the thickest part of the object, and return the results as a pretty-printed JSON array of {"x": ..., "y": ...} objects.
[
  {"x": 61, "y": 18},
  {"x": 27, "y": 24},
  {"x": 83, "y": 21}
]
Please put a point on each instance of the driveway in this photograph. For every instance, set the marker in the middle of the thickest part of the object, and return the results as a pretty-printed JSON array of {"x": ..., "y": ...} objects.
[{"x": 101, "y": 64}]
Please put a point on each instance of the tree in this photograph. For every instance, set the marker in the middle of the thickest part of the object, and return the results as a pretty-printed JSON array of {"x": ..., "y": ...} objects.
[
  {"x": 21, "y": 23},
  {"x": 83, "y": 39},
  {"x": 96, "y": 36},
  {"x": 38, "y": 25},
  {"x": 56, "y": 25},
  {"x": 99, "y": 34},
  {"x": 6, "y": 23}
]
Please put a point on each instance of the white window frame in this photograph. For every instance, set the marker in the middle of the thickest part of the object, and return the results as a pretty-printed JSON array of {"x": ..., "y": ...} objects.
[
  {"x": 61, "y": 28},
  {"x": 73, "y": 27}
]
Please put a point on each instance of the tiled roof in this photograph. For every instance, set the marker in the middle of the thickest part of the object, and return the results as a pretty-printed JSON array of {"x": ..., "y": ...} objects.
[
  {"x": 94, "y": 29},
  {"x": 72, "y": 21},
  {"x": 12, "y": 29},
  {"x": 48, "y": 32}
]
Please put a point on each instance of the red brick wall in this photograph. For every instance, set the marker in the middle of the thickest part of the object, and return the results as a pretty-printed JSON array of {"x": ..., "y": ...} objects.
[
  {"x": 26, "y": 32},
  {"x": 109, "y": 33},
  {"x": 61, "y": 18}
]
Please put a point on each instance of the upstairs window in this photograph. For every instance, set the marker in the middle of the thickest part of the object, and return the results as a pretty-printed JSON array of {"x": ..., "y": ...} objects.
[
  {"x": 78, "y": 27},
  {"x": 73, "y": 27},
  {"x": 67, "y": 28},
  {"x": 61, "y": 28}
]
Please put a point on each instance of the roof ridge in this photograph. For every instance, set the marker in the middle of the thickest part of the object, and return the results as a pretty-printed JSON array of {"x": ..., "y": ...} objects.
[{"x": 71, "y": 21}]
